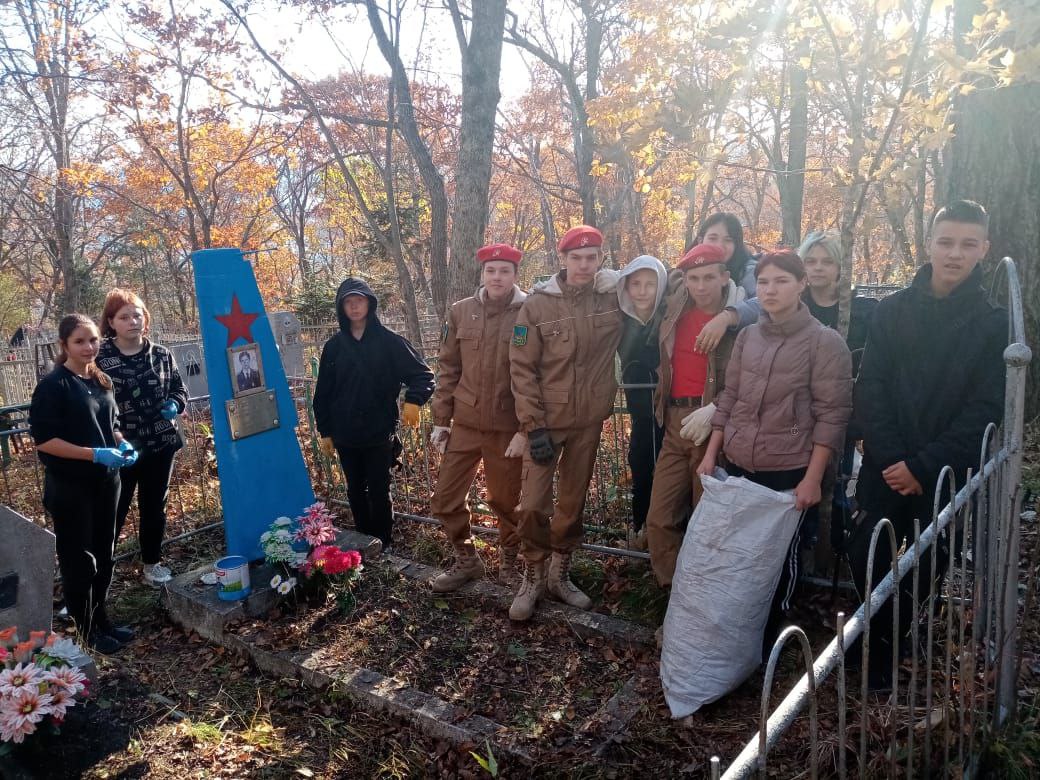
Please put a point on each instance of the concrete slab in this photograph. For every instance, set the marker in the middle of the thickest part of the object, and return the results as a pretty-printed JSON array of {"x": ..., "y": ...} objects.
[
  {"x": 196, "y": 607},
  {"x": 585, "y": 624}
]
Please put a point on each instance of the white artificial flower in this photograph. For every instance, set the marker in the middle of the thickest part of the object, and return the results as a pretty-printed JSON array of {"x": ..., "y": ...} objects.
[
  {"x": 282, "y": 535},
  {"x": 282, "y": 521},
  {"x": 284, "y": 588},
  {"x": 276, "y": 580},
  {"x": 292, "y": 582},
  {"x": 64, "y": 650},
  {"x": 265, "y": 536}
]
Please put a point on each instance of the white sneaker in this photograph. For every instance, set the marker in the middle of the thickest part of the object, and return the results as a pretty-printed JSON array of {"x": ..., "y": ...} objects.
[{"x": 155, "y": 574}]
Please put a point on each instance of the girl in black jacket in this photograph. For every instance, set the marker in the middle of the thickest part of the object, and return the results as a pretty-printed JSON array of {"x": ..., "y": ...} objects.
[
  {"x": 72, "y": 419},
  {"x": 150, "y": 395},
  {"x": 362, "y": 370}
]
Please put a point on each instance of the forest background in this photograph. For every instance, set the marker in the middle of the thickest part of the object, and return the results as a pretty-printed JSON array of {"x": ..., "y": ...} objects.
[{"x": 392, "y": 138}]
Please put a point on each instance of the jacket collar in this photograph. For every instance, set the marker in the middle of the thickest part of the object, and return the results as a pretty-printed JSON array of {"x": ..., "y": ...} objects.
[
  {"x": 969, "y": 288},
  {"x": 800, "y": 320},
  {"x": 519, "y": 296},
  {"x": 557, "y": 286}
]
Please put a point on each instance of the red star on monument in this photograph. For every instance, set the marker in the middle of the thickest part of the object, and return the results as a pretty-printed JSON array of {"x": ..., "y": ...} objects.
[{"x": 237, "y": 322}]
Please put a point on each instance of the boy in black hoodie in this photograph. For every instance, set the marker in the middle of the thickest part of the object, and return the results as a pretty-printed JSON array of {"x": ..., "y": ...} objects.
[
  {"x": 931, "y": 381},
  {"x": 362, "y": 370}
]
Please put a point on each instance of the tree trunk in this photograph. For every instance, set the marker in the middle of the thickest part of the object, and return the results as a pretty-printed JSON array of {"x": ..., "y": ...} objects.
[
  {"x": 481, "y": 64},
  {"x": 431, "y": 176},
  {"x": 792, "y": 191},
  {"x": 995, "y": 159}
]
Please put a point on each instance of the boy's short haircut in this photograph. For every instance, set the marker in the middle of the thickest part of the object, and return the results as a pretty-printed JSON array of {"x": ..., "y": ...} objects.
[{"x": 963, "y": 211}]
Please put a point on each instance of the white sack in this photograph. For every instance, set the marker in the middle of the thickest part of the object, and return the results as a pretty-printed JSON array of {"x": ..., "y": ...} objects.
[{"x": 728, "y": 569}]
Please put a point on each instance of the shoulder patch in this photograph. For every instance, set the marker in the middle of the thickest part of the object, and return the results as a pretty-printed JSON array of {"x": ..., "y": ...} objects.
[{"x": 519, "y": 335}]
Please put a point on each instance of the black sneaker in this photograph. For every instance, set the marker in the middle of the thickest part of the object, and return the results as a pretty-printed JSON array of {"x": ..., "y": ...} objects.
[
  {"x": 121, "y": 634},
  {"x": 104, "y": 643}
]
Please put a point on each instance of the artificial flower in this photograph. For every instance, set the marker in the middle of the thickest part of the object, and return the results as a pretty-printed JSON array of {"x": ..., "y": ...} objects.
[
  {"x": 24, "y": 709},
  {"x": 64, "y": 650},
  {"x": 38, "y": 638},
  {"x": 284, "y": 588},
  {"x": 21, "y": 676},
  {"x": 283, "y": 521},
  {"x": 265, "y": 536},
  {"x": 9, "y": 636},
  {"x": 68, "y": 678},
  {"x": 61, "y": 700},
  {"x": 276, "y": 580},
  {"x": 23, "y": 651}
]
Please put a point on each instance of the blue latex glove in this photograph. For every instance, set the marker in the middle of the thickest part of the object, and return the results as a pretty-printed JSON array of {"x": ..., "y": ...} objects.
[
  {"x": 169, "y": 410},
  {"x": 130, "y": 455},
  {"x": 108, "y": 456}
]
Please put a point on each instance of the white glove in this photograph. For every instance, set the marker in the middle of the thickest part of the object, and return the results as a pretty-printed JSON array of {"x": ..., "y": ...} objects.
[
  {"x": 439, "y": 438},
  {"x": 517, "y": 445},
  {"x": 606, "y": 280},
  {"x": 696, "y": 426}
]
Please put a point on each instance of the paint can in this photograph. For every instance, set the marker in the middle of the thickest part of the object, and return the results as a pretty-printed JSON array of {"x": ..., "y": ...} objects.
[{"x": 232, "y": 577}]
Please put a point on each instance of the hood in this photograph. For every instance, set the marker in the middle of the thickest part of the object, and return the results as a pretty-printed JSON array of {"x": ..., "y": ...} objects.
[
  {"x": 518, "y": 296},
  {"x": 354, "y": 285},
  {"x": 641, "y": 262}
]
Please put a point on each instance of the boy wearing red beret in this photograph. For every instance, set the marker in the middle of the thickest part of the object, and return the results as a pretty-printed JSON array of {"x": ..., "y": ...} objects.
[
  {"x": 475, "y": 420},
  {"x": 689, "y": 382},
  {"x": 562, "y": 369}
]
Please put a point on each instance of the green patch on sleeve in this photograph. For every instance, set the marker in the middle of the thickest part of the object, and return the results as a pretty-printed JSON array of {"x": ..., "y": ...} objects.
[{"x": 519, "y": 335}]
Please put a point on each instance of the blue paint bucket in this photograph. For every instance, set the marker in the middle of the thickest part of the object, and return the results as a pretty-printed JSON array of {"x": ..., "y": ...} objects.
[{"x": 232, "y": 577}]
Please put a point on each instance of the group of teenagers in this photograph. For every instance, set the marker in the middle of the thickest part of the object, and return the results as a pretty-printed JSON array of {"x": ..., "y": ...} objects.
[{"x": 728, "y": 361}]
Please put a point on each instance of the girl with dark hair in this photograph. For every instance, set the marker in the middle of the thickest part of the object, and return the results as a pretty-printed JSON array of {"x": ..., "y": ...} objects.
[
  {"x": 73, "y": 421},
  {"x": 787, "y": 399},
  {"x": 150, "y": 394},
  {"x": 724, "y": 229}
]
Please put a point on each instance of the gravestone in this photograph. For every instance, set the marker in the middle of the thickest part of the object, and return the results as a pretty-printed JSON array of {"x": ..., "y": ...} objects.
[
  {"x": 192, "y": 368},
  {"x": 26, "y": 573},
  {"x": 287, "y": 330},
  {"x": 259, "y": 462}
]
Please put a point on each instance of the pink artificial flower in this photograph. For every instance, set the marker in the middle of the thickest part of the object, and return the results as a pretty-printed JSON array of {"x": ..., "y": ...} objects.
[
  {"x": 68, "y": 678},
  {"x": 23, "y": 676},
  {"x": 3, "y": 654},
  {"x": 61, "y": 700},
  {"x": 20, "y": 713}
]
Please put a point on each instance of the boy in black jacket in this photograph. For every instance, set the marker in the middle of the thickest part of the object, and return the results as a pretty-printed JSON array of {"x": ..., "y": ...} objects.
[
  {"x": 362, "y": 370},
  {"x": 931, "y": 381}
]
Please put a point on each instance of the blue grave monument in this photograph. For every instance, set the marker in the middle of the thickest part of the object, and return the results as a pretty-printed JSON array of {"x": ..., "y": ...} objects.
[{"x": 261, "y": 469}]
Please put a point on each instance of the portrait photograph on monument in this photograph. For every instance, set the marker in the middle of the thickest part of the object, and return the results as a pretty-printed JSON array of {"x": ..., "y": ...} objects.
[{"x": 247, "y": 369}]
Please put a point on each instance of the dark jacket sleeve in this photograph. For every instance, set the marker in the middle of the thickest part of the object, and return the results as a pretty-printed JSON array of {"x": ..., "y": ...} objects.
[
  {"x": 45, "y": 412},
  {"x": 325, "y": 387},
  {"x": 413, "y": 373},
  {"x": 177, "y": 392},
  {"x": 875, "y": 404},
  {"x": 959, "y": 445}
]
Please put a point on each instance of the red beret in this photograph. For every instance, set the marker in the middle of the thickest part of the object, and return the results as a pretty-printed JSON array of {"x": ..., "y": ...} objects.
[
  {"x": 499, "y": 252},
  {"x": 580, "y": 237},
  {"x": 702, "y": 254}
]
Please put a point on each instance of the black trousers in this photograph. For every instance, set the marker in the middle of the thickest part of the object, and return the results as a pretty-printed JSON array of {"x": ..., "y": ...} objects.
[
  {"x": 900, "y": 511},
  {"x": 84, "y": 514},
  {"x": 786, "y": 587},
  {"x": 367, "y": 470},
  {"x": 644, "y": 446},
  {"x": 150, "y": 476}
]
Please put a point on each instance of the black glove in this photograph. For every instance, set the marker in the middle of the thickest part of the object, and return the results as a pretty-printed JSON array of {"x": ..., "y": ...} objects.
[{"x": 542, "y": 449}]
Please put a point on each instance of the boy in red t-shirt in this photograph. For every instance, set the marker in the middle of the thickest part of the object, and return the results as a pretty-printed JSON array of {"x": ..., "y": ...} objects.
[{"x": 689, "y": 381}]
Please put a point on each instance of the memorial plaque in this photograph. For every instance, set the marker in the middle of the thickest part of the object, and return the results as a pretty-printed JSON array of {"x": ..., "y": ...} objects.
[
  {"x": 192, "y": 366},
  {"x": 252, "y": 414}
]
